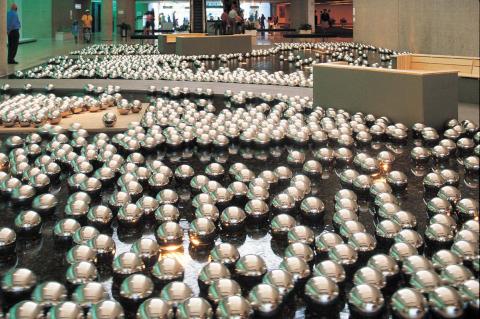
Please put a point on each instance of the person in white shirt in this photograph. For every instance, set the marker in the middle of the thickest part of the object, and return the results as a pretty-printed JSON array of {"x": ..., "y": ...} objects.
[{"x": 234, "y": 18}]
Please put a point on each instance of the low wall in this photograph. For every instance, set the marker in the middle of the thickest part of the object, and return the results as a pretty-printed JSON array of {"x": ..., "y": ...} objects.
[
  {"x": 408, "y": 97},
  {"x": 213, "y": 44}
]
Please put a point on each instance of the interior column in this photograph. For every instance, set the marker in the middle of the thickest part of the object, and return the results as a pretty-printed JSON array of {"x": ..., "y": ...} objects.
[
  {"x": 302, "y": 12},
  {"x": 3, "y": 38},
  {"x": 126, "y": 13},
  {"x": 107, "y": 20}
]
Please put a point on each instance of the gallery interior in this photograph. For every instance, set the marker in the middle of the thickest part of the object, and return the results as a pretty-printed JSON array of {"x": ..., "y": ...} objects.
[{"x": 239, "y": 159}]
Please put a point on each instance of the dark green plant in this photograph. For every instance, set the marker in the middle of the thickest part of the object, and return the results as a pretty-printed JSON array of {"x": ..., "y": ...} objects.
[
  {"x": 305, "y": 26},
  {"x": 124, "y": 26},
  {"x": 250, "y": 26}
]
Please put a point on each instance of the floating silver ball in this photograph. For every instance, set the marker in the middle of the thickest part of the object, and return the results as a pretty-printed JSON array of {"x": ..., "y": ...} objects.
[
  {"x": 167, "y": 269},
  {"x": 169, "y": 235},
  {"x": 106, "y": 309},
  {"x": 233, "y": 307},
  {"x": 297, "y": 266},
  {"x": 89, "y": 294},
  {"x": 194, "y": 307},
  {"x": 175, "y": 293},
  {"x": 26, "y": 309},
  {"x": 155, "y": 308},
  {"x": 366, "y": 300},
  {"x": 409, "y": 303},
  {"x": 49, "y": 293},
  {"x": 221, "y": 288},
  {"x": 446, "y": 302},
  {"x": 81, "y": 273}
]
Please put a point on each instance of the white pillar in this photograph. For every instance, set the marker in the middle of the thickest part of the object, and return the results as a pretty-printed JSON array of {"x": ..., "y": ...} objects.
[
  {"x": 107, "y": 20},
  {"x": 3, "y": 37}
]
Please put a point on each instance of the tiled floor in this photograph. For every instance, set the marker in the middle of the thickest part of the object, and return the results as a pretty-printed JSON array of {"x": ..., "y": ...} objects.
[{"x": 35, "y": 53}]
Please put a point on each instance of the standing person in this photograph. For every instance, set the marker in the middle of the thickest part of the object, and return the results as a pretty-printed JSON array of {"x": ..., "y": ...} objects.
[
  {"x": 324, "y": 19},
  {"x": 262, "y": 21},
  {"x": 148, "y": 25},
  {"x": 152, "y": 23},
  {"x": 75, "y": 30},
  {"x": 13, "y": 27},
  {"x": 329, "y": 19},
  {"x": 241, "y": 21},
  {"x": 87, "y": 20},
  {"x": 224, "y": 18},
  {"x": 234, "y": 18},
  {"x": 174, "y": 20}
]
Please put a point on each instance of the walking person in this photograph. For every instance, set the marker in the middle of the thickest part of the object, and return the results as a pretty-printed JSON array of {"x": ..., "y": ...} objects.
[
  {"x": 262, "y": 21},
  {"x": 87, "y": 21},
  {"x": 75, "y": 30},
  {"x": 13, "y": 31}
]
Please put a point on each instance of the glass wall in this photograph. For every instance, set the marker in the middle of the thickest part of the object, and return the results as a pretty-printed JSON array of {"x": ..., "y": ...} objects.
[
  {"x": 170, "y": 15},
  {"x": 253, "y": 10},
  {"x": 214, "y": 9}
]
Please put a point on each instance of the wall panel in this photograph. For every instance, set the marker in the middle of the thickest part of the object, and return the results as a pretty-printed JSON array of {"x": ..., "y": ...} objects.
[{"x": 449, "y": 27}]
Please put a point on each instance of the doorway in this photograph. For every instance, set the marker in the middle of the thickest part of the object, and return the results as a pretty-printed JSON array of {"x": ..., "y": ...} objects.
[{"x": 97, "y": 17}]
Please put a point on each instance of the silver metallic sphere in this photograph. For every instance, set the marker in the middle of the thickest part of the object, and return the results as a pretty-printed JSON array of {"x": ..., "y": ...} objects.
[
  {"x": 365, "y": 300},
  {"x": 194, "y": 307},
  {"x": 321, "y": 291},
  {"x": 89, "y": 294},
  {"x": 26, "y": 309},
  {"x": 265, "y": 299},
  {"x": 49, "y": 293},
  {"x": 155, "y": 308},
  {"x": 175, "y": 293},
  {"x": 446, "y": 302},
  {"x": 297, "y": 266},
  {"x": 409, "y": 303},
  {"x": 222, "y": 288},
  {"x": 167, "y": 269},
  {"x": 81, "y": 273},
  {"x": 106, "y": 309},
  {"x": 425, "y": 281}
]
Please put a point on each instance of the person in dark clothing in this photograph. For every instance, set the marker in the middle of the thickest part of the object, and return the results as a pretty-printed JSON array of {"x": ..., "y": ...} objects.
[
  {"x": 262, "y": 22},
  {"x": 324, "y": 18},
  {"x": 13, "y": 31}
]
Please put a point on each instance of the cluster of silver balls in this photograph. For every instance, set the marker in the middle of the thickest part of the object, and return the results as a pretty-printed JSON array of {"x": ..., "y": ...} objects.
[
  {"x": 118, "y": 49},
  {"x": 27, "y": 109},
  {"x": 145, "y": 188},
  {"x": 145, "y": 66}
]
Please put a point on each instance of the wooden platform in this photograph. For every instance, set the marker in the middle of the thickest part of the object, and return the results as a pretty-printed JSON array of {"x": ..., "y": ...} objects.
[
  {"x": 92, "y": 122},
  {"x": 466, "y": 66},
  {"x": 468, "y": 69}
]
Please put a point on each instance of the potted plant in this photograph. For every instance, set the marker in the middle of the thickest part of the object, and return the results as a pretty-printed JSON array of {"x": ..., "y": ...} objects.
[
  {"x": 305, "y": 29},
  {"x": 343, "y": 22},
  {"x": 124, "y": 28}
]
